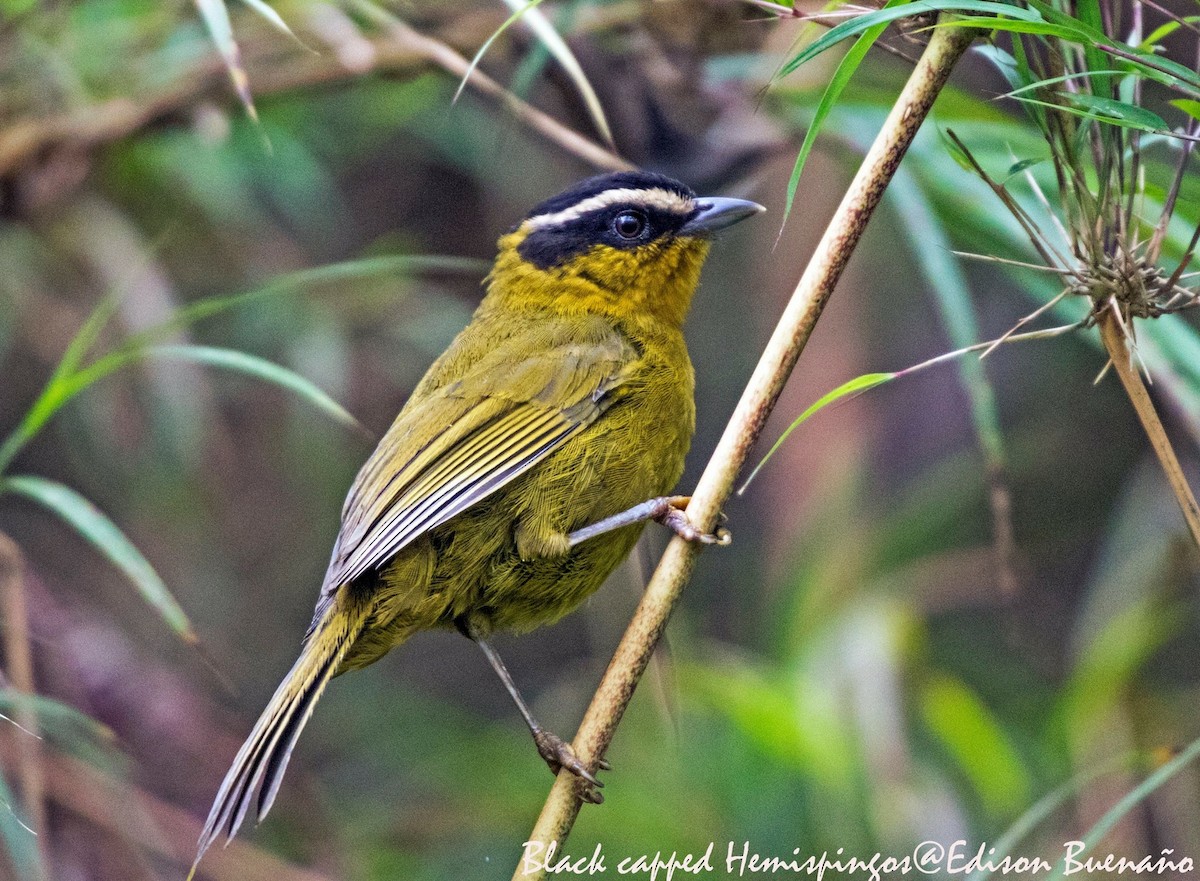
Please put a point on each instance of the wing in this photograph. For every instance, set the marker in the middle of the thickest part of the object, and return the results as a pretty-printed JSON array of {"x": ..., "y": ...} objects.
[{"x": 455, "y": 444}]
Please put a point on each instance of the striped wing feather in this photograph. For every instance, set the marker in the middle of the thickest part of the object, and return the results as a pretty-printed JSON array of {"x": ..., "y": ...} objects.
[{"x": 456, "y": 444}]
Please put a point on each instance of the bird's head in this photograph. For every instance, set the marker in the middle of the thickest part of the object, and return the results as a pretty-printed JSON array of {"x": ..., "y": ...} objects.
[{"x": 628, "y": 245}]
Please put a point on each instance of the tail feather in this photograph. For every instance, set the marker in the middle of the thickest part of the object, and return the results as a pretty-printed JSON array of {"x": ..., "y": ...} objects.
[{"x": 261, "y": 762}]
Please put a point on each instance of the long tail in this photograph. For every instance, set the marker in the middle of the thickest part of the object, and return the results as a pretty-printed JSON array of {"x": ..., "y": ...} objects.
[{"x": 260, "y": 763}]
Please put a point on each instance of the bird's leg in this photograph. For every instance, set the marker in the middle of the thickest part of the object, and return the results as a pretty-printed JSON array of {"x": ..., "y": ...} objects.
[
  {"x": 667, "y": 510},
  {"x": 556, "y": 752}
]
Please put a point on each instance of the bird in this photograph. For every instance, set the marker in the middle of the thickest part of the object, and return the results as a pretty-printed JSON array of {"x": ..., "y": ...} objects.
[{"x": 524, "y": 465}]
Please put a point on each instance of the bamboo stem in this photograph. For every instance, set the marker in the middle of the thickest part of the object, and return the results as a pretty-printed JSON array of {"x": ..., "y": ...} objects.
[
  {"x": 1114, "y": 341},
  {"x": 791, "y": 334}
]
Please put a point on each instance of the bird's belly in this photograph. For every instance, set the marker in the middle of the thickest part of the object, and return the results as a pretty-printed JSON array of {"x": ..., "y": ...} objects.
[{"x": 497, "y": 561}]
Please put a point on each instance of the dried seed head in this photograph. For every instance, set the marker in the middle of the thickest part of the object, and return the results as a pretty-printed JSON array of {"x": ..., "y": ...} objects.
[{"x": 1139, "y": 288}]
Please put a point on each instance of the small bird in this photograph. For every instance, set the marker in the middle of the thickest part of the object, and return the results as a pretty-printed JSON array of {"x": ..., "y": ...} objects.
[{"x": 525, "y": 464}]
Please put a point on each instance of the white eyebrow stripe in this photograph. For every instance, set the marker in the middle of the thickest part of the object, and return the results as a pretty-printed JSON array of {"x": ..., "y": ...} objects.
[{"x": 665, "y": 200}]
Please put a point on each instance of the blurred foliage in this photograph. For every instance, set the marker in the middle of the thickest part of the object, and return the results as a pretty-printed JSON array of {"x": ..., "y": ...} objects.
[{"x": 849, "y": 674}]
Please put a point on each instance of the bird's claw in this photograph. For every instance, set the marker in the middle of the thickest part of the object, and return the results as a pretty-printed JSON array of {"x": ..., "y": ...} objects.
[
  {"x": 558, "y": 754},
  {"x": 673, "y": 516}
]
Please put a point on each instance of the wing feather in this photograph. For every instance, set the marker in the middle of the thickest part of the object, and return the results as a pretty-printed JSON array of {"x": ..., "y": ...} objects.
[
  {"x": 457, "y": 443},
  {"x": 464, "y": 479}
]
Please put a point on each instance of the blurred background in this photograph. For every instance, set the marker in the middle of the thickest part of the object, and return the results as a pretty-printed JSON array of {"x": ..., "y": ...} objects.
[{"x": 962, "y": 601}]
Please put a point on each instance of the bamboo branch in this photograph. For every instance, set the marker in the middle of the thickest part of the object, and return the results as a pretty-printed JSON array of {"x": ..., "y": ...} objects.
[
  {"x": 716, "y": 484},
  {"x": 403, "y": 51},
  {"x": 1114, "y": 341}
]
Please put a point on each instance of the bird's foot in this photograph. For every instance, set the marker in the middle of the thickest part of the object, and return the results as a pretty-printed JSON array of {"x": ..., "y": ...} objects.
[
  {"x": 558, "y": 755},
  {"x": 671, "y": 514}
]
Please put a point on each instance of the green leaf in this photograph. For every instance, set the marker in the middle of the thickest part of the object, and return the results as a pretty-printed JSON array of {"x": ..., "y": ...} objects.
[
  {"x": 957, "y": 153},
  {"x": 1067, "y": 28},
  {"x": 369, "y": 267},
  {"x": 1120, "y": 647},
  {"x": 1118, "y": 111},
  {"x": 1188, "y": 106},
  {"x": 69, "y": 380},
  {"x": 1165, "y": 30},
  {"x": 259, "y": 368},
  {"x": 856, "y": 386},
  {"x": 1055, "y": 80},
  {"x": 861, "y": 23},
  {"x": 837, "y": 84},
  {"x": 58, "y": 388},
  {"x": 57, "y": 721},
  {"x": 104, "y": 535},
  {"x": 1105, "y": 110},
  {"x": 1020, "y": 166},
  {"x": 1088, "y": 12},
  {"x": 979, "y": 746}
]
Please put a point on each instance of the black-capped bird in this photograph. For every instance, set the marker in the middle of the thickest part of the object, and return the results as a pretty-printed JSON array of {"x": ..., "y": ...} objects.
[{"x": 524, "y": 465}]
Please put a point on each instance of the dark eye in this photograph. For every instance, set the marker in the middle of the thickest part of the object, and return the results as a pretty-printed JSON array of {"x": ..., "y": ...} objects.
[{"x": 629, "y": 224}]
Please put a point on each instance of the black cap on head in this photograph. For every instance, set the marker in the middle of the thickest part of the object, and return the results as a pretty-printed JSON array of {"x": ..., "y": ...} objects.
[
  {"x": 627, "y": 211},
  {"x": 618, "y": 180}
]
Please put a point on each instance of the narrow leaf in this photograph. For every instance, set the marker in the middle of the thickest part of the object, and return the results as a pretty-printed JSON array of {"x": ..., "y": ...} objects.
[
  {"x": 856, "y": 386},
  {"x": 1036, "y": 814},
  {"x": 260, "y": 368},
  {"x": 59, "y": 722},
  {"x": 1132, "y": 799},
  {"x": 1055, "y": 80},
  {"x": 977, "y": 743},
  {"x": 55, "y": 393},
  {"x": 216, "y": 19},
  {"x": 104, "y": 535},
  {"x": 487, "y": 44},
  {"x": 837, "y": 84},
  {"x": 261, "y": 7},
  {"x": 1188, "y": 106},
  {"x": 1132, "y": 114},
  {"x": 859, "y": 24},
  {"x": 1019, "y": 166},
  {"x": 1091, "y": 107},
  {"x": 69, "y": 380},
  {"x": 1165, "y": 30},
  {"x": 368, "y": 267},
  {"x": 537, "y": 22}
]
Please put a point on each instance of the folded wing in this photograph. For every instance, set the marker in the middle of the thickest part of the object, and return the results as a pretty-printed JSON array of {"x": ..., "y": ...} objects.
[{"x": 455, "y": 445}]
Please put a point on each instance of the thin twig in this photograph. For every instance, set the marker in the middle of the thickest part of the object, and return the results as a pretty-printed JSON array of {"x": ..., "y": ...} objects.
[
  {"x": 1037, "y": 267},
  {"x": 1184, "y": 260},
  {"x": 1160, "y": 230},
  {"x": 1034, "y": 233},
  {"x": 1049, "y": 304},
  {"x": 716, "y": 484},
  {"x": 450, "y": 60},
  {"x": 402, "y": 51}
]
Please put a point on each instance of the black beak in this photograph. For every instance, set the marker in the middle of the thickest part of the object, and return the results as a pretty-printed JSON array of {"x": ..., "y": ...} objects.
[{"x": 714, "y": 213}]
